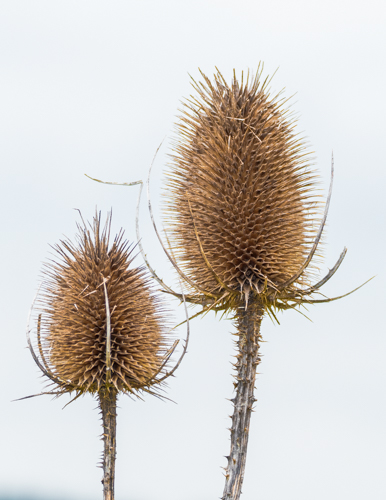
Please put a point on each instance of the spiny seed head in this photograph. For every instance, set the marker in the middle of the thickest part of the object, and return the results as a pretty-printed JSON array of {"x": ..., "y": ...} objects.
[
  {"x": 72, "y": 325},
  {"x": 240, "y": 194}
]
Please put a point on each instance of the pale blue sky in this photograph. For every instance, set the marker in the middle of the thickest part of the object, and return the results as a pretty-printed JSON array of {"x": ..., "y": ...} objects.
[{"x": 94, "y": 87}]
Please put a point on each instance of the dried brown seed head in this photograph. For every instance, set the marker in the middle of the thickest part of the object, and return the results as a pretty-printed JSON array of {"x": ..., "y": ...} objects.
[
  {"x": 240, "y": 194},
  {"x": 73, "y": 316}
]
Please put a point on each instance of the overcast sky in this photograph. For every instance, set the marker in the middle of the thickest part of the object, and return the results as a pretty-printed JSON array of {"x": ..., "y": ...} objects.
[{"x": 94, "y": 87}]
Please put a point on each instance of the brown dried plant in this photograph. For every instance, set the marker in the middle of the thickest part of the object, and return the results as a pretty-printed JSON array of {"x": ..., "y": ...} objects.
[
  {"x": 243, "y": 223},
  {"x": 101, "y": 328},
  {"x": 242, "y": 216}
]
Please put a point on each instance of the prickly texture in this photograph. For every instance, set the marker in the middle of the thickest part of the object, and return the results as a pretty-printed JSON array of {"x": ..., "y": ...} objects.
[
  {"x": 74, "y": 318},
  {"x": 248, "y": 326},
  {"x": 108, "y": 405},
  {"x": 240, "y": 206}
]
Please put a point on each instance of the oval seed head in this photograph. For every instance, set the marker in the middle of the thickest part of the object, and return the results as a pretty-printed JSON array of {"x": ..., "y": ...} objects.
[
  {"x": 73, "y": 319},
  {"x": 240, "y": 197}
]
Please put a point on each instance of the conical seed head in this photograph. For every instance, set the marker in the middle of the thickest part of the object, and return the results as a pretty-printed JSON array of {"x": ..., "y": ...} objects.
[
  {"x": 240, "y": 194},
  {"x": 73, "y": 324}
]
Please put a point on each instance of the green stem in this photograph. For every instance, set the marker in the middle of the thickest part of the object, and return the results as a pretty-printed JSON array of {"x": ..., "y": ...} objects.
[{"x": 248, "y": 324}]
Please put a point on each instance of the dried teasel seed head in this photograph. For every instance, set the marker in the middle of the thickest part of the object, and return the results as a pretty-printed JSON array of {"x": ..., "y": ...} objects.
[
  {"x": 240, "y": 194},
  {"x": 73, "y": 318}
]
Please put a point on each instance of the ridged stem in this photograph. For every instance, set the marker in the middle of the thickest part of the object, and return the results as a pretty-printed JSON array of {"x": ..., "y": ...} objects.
[
  {"x": 248, "y": 324},
  {"x": 108, "y": 406}
]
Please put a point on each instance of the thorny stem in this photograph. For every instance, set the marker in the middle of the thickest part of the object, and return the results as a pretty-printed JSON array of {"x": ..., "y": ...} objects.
[
  {"x": 248, "y": 323},
  {"x": 108, "y": 405}
]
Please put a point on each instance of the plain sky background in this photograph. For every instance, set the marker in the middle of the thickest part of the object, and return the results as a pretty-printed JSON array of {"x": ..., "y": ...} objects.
[{"x": 94, "y": 87}]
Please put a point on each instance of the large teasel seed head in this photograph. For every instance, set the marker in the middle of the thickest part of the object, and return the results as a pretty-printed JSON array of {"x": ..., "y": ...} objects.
[
  {"x": 73, "y": 318},
  {"x": 241, "y": 209}
]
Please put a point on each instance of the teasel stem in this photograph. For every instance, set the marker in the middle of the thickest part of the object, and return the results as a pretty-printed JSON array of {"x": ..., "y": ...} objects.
[
  {"x": 108, "y": 406},
  {"x": 248, "y": 324}
]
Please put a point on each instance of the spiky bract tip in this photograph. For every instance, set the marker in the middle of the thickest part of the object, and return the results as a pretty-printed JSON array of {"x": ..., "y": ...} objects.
[
  {"x": 240, "y": 196},
  {"x": 73, "y": 319}
]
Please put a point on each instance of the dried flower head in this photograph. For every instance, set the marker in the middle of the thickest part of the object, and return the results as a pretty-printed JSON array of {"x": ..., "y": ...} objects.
[
  {"x": 100, "y": 324},
  {"x": 240, "y": 193},
  {"x": 241, "y": 205}
]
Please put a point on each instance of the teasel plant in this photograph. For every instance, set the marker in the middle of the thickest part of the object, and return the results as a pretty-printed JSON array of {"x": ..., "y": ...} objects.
[
  {"x": 243, "y": 223},
  {"x": 101, "y": 328}
]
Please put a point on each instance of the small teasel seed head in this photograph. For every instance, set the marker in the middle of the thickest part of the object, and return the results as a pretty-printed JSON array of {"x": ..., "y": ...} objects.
[
  {"x": 240, "y": 199},
  {"x": 73, "y": 319}
]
